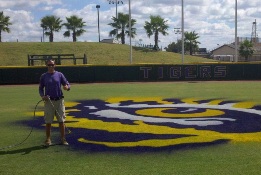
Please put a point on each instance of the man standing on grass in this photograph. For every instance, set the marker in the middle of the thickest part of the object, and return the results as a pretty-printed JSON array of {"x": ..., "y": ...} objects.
[{"x": 51, "y": 93}]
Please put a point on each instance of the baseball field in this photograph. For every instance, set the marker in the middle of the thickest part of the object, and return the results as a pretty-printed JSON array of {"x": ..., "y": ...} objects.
[{"x": 210, "y": 127}]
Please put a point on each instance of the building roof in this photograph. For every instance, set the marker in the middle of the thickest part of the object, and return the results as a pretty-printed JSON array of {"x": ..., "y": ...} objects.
[
  {"x": 225, "y": 45},
  {"x": 111, "y": 40},
  {"x": 107, "y": 40}
]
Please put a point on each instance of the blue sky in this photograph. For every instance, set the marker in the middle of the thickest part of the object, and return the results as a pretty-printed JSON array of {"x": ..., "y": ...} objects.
[{"x": 213, "y": 20}]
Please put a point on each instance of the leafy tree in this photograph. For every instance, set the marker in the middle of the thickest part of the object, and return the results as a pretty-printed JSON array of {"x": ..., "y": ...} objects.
[
  {"x": 75, "y": 25},
  {"x": 121, "y": 27},
  {"x": 174, "y": 47},
  {"x": 156, "y": 26},
  {"x": 4, "y": 23},
  {"x": 191, "y": 42},
  {"x": 51, "y": 24},
  {"x": 246, "y": 49}
]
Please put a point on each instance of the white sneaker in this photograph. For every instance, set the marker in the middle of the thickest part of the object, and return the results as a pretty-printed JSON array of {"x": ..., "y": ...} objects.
[
  {"x": 48, "y": 142},
  {"x": 64, "y": 142}
]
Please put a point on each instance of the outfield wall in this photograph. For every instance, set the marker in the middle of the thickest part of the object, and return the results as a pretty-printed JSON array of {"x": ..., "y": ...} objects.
[{"x": 139, "y": 73}]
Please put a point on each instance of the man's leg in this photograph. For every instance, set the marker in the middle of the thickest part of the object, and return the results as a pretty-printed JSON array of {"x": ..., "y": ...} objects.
[
  {"x": 48, "y": 130},
  {"x": 48, "y": 117},
  {"x": 62, "y": 131},
  {"x": 60, "y": 115},
  {"x": 48, "y": 134}
]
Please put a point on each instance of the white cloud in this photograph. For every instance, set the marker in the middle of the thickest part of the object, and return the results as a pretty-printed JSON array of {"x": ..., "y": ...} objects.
[
  {"x": 47, "y": 8},
  {"x": 213, "y": 20},
  {"x": 26, "y": 3}
]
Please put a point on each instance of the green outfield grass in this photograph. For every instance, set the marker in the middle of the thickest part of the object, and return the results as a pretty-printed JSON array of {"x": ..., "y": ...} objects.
[{"x": 17, "y": 104}]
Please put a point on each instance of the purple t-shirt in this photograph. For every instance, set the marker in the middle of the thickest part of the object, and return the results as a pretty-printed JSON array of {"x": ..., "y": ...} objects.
[{"x": 50, "y": 84}]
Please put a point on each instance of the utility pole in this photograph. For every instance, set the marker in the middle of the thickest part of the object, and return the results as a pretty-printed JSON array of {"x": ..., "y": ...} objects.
[
  {"x": 182, "y": 30},
  {"x": 236, "y": 50},
  {"x": 98, "y": 7},
  {"x": 130, "y": 31},
  {"x": 254, "y": 34},
  {"x": 116, "y": 3},
  {"x": 177, "y": 32}
]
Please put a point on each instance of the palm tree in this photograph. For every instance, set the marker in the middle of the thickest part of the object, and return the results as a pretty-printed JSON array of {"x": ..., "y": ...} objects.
[
  {"x": 156, "y": 26},
  {"x": 51, "y": 24},
  {"x": 4, "y": 23},
  {"x": 122, "y": 24},
  {"x": 191, "y": 41},
  {"x": 246, "y": 49},
  {"x": 74, "y": 24}
]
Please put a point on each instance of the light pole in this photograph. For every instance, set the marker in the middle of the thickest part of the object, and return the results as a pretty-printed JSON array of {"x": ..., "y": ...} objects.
[
  {"x": 98, "y": 7},
  {"x": 1, "y": 28},
  {"x": 236, "y": 31},
  {"x": 182, "y": 29},
  {"x": 177, "y": 32},
  {"x": 140, "y": 42},
  {"x": 43, "y": 34},
  {"x": 116, "y": 3},
  {"x": 116, "y": 15},
  {"x": 130, "y": 31}
]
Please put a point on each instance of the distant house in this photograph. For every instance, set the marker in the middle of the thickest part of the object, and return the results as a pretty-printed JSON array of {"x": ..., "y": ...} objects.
[
  {"x": 226, "y": 52},
  {"x": 111, "y": 41}
]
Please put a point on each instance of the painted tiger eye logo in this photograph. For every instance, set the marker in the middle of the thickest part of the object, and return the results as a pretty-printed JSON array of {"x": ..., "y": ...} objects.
[{"x": 156, "y": 123}]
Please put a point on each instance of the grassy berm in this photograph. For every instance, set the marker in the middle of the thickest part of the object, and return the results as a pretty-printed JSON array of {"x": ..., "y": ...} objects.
[{"x": 15, "y": 53}]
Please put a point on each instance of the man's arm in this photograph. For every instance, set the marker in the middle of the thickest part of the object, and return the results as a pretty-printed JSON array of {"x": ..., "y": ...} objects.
[
  {"x": 66, "y": 87},
  {"x": 65, "y": 83},
  {"x": 41, "y": 88}
]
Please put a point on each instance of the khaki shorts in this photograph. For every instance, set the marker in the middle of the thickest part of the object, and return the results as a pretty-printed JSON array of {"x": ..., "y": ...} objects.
[{"x": 54, "y": 108}]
